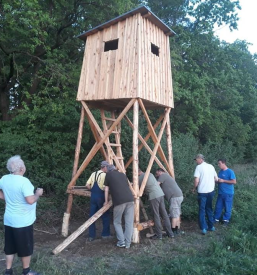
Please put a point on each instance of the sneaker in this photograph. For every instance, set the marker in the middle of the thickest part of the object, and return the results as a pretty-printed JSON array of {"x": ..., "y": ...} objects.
[
  {"x": 215, "y": 221},
  {"x": 91, "y": 239},
  {"x": 211, "y": 229},
  {"x": 156, "y": 237},
  {"x": 121, "y": 245},
  {"x": 127, "y": 246},
  {"x": 225, "y": 223},
  {"x": 204, "y": 231},
  {"x": 171, "y": 236}
]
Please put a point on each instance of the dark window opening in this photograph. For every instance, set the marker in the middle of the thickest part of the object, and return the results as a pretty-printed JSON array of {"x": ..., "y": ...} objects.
[
  {"x": 111, "y": 45},
  {"x": 154, "y": 49}
]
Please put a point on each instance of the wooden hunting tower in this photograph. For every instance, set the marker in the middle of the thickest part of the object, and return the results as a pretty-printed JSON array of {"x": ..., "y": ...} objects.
[{"x": 126, "y": 65}]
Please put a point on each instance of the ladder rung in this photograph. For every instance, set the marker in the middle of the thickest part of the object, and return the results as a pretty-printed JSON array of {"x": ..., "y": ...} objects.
[
  {"x": 120, "y": 158},
  {"x": 115, "y": 145},
  {"x": 109, "y": 118},
  {"x": 115, "y": 132}
]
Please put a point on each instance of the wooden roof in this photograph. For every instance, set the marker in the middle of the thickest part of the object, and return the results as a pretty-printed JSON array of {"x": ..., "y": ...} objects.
[{"x": 143, "y": 10}]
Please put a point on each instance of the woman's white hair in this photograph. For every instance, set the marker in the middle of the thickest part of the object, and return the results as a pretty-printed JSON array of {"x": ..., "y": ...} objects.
[{"x": 15, "y": 163}]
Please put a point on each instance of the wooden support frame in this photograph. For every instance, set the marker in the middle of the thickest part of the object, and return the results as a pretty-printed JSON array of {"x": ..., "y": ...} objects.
[{"x": 102, "y": 138}]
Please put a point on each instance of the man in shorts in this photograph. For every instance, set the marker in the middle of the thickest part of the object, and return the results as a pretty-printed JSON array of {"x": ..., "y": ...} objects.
[{"x": 173, "y": 195}]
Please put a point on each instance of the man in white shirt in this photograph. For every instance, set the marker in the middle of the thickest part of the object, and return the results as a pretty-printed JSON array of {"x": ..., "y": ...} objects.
[{"x": 205, "y": 177}]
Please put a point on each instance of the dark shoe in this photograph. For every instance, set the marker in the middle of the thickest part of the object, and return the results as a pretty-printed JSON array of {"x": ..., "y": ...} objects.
[
  {"x": 179, "y": 232},
  {"x": 155, "y": 237},
  {"x": 215, "y": 221},
  {"x": 225, "y": 223},
  {"x": 8, "y": 271},
  {"x": 107, "y": 237}
]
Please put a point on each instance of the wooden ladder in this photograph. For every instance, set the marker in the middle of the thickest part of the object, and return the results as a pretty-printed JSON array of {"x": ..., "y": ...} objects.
[{"x": 107, "y": 123}]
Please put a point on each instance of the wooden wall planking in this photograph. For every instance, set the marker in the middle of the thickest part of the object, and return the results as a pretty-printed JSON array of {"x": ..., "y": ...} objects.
[{"x": 132, "y": 70}]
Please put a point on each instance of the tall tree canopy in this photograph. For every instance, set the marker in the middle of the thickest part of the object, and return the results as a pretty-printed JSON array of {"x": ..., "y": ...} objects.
[{"x": 215, "y": 83}]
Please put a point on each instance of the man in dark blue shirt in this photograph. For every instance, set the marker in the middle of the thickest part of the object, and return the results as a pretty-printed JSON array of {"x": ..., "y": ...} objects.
[{"x": 227, "y": 180}]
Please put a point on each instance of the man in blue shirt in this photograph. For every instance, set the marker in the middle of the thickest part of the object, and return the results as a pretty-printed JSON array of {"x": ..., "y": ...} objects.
[{"x": 227, "y": 180}]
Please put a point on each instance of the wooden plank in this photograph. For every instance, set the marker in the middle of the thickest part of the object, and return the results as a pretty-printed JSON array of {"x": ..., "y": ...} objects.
[
  {"x": 97, "y": 146},
  {"x": 82, "y": 228},
  {"x": 145, "y": 139},
  {"x": 79, "y": 192},
  {"x": 169, "y": 146},
  {"x": 154, "y": 154}
]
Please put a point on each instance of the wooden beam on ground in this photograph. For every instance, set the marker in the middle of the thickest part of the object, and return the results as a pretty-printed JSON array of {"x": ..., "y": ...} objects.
[
  {"x": 66, "y": 216},
  {"x": 144, "y": 225},
  {"x": 79, "y": 192},
  {"x": 153, "y": 134},
  {"x": 98, "y": 145},
  {"x": 153, "y": 155},
  {"x": 145, "y": 139},
  {"x": 169, "y": 146},
  {"x": 82, "y": 228},
  {"x": 145, "y": 144}
]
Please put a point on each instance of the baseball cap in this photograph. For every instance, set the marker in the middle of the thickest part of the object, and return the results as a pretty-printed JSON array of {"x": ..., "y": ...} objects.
[
  {"x": 104, "y": 163},
  {"x": 111, "y": 167},
  {"x": 199, "y": 156}
]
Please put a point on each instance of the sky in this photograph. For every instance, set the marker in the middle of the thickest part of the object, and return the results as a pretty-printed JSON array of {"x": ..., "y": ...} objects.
[{"x": 247, "y": 26}]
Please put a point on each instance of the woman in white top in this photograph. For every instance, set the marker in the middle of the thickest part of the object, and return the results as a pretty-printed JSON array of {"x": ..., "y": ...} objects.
[{"x": 20, "y": 214}]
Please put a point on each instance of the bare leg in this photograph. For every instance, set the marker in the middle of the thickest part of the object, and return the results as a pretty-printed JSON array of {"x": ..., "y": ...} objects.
[
  {"x": 9, "y": 260},
  {"x": 175, "y": 222},
  {"x": 25, "y": 261}
]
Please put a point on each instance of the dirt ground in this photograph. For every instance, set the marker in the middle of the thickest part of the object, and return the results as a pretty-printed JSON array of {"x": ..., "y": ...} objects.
[{"x": 102, "y": 254}]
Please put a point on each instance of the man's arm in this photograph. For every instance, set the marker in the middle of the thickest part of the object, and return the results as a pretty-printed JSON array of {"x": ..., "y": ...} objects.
[
  {"x": 2, "y": 195},
  {"x": 196, "y": 183},
  {"x": 228, "y": 181},
  {"x": 34, "y": 198},
  {"x": 106, "y": 194}
]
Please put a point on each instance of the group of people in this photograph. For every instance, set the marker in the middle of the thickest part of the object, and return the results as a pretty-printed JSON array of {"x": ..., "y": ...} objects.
[
  {"x": 109, "y": 180},
  {"x": 205, "y": 178},
  {"x": 21, "y": 199}
]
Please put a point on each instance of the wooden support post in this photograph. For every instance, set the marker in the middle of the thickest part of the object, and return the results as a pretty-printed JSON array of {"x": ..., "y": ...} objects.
[
  {"x": 145, "y": 139},
  {"x": 169, "y": 146},
  {"x": 66, "y": 216},
  {"x": 153, "y": 155},
  {"x": 135, "y": 237},
  {"x": 82, "y": 228}
]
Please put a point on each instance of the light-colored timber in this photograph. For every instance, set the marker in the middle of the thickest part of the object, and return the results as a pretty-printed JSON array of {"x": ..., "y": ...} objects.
[{"x": 126, "y": 72}]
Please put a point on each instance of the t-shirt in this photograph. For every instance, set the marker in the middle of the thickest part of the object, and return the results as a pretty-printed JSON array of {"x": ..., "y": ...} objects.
[
  {"x": 169, "y": 186},
  {"x": 119, "y": 189},
  {"x": 18, "y": 213},
  {"x": 152, "y": 187},
  {"x": 206, "y": 174},
  {"x": 226, "y": 188},
  {"x": 100, "y": 179}
]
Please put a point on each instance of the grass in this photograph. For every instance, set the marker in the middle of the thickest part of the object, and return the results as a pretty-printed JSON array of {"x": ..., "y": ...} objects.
[{"x": 229, "y": 250}]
